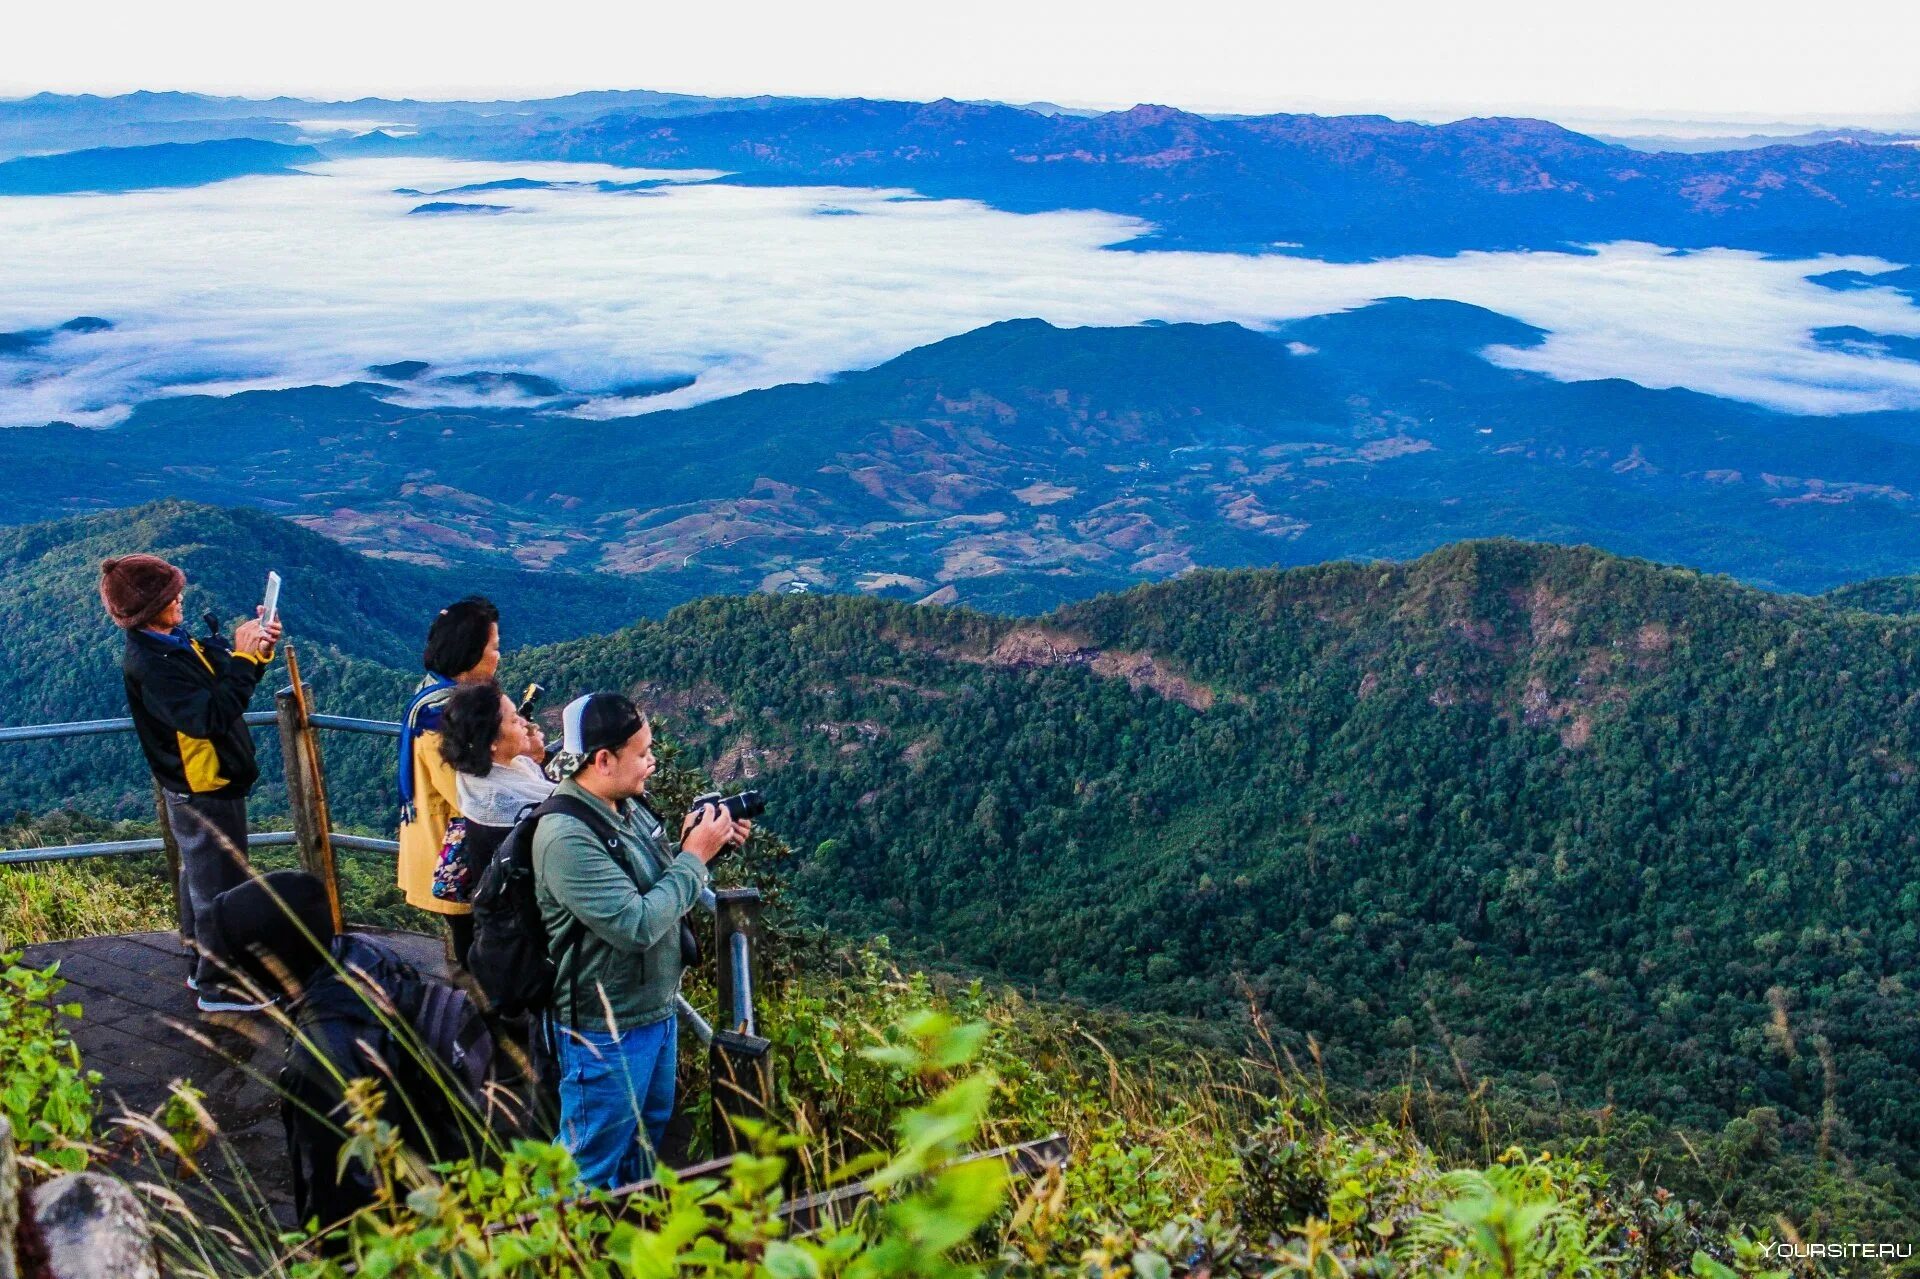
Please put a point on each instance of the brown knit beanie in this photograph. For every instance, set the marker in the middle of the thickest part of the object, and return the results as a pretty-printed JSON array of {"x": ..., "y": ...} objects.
[{"x": 135, "y": 588}]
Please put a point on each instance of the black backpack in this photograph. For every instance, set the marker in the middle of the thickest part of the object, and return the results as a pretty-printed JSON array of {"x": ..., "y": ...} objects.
[
  {"x": 344, "y": 1027},
  {"x": 510, "y": 958}
]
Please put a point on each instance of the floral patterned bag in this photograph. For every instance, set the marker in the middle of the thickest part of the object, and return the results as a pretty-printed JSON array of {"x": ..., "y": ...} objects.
[{"x": 453, "y": 877}]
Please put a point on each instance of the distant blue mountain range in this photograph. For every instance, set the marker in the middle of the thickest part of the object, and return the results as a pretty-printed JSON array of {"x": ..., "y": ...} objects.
[
  {"x": 1024, "y": 464},
  {"x": 1906, "y": 280},
  {"x": 29, "y": 340},
  {"x": 441, "y": 208},
  {"x": 1347, "y": 187},
  {"x": 1337, "y": 187},
  {"x": 168, "y": 164},
  {"x": 48, "y": 122}
]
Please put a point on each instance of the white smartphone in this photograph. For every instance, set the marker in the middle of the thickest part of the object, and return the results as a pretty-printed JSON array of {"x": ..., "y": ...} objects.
[{"x": 272, "y": 601}]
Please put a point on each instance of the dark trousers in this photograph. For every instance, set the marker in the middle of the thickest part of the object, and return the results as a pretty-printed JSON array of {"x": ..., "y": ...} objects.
[
  {"x": 212, "y": 835},
  {"x": 460, "y": 935}
]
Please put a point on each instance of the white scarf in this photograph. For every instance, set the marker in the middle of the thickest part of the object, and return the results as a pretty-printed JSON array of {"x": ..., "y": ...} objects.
[{"x": 503, "y": 794}]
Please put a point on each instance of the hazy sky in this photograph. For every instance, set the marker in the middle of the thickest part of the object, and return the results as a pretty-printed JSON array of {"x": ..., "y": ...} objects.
[{"x": 1751, "y": 59}]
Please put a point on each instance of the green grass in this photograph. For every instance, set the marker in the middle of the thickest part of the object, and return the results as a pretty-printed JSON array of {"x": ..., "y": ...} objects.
[{"x": 58, "y": 900}]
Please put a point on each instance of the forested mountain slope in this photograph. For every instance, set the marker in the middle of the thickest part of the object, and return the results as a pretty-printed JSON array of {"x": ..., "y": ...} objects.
[
  {"x": 1644, "y": 836},
  {"x": 1890, "y": 595}
]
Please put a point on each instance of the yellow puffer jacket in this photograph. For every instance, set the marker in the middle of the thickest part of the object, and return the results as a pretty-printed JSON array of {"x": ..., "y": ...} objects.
[{"x": 436, "y": 804}]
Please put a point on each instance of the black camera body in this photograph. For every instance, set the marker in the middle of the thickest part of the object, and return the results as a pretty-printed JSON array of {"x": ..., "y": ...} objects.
[{"x": 744, "y": 807}]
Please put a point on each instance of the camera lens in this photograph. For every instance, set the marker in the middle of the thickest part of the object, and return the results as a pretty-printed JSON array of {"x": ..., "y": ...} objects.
[{"x": 745, "y": 806}]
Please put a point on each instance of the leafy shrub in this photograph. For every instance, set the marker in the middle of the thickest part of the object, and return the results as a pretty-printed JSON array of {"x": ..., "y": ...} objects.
[
  {"x": 47, "y": 1096},
  {"x": 529, "y": 1217},
  {"x": 1282, "y": 1184},
  {"x": 1178, "y": 1167}
]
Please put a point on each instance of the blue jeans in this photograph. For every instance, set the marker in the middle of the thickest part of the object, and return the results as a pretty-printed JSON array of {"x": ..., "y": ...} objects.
[{"x": 616, "y": 1095}]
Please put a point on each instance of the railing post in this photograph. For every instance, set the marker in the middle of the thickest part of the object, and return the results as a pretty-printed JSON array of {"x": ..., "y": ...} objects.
[
  {"x": 737, "y": 1058},
  {"x": 172, "y": 847},
  {"x": 737, "y": 1064},
  {"x": 306, "y": 789},
  {"x": 736, "y": 911}
]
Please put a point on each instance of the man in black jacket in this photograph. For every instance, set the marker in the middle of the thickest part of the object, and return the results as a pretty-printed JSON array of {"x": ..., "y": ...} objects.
[{"x": 188, "y": 697}]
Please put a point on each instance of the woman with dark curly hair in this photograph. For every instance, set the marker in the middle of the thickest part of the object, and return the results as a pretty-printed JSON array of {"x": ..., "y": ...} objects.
[{"x": 495, "y": 753}]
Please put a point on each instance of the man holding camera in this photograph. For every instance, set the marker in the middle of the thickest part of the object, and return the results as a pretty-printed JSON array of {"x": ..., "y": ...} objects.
[
  {"x": 612, "y": 911},
  {"x": 188, "y": 697}
]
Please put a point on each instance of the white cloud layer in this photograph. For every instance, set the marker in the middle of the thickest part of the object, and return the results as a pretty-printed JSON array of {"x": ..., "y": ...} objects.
[{"x": 284, "y": 281}]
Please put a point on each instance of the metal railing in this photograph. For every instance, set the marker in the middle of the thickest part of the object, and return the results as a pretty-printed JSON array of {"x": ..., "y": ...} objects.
[
  {"x": 92, "y": 727},
  {"x": 742, "y": 984},
  {"x": 133, "y": 847},
  {"x": 737, "y": 1054},
  {"x": 138, "y": 847},
  {"x": 255, "y": 719}
]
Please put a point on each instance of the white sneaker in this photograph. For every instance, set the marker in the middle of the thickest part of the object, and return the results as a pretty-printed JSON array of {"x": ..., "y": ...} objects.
[{"x": 227, "y": 1001}]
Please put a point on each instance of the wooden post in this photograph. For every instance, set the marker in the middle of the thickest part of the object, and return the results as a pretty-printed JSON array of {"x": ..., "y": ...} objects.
[
  {"x": 737, "y": 1058},
  {"x": 293, "y": 755},
  {"x": 307, "y": 787},
  {"x": 173, "y": 855},
  {"x": 317, "y": 797}
]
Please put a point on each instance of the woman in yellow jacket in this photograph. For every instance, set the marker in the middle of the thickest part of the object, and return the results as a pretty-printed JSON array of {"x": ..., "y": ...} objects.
[{"x": 463, "y": 647}]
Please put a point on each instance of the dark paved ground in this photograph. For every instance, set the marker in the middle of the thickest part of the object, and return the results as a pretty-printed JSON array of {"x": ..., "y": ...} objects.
[{"x": 139, "y": 1028}]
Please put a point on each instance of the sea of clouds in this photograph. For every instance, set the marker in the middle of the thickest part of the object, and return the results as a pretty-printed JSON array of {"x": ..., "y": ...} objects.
[{"x": 309, "y": 278}]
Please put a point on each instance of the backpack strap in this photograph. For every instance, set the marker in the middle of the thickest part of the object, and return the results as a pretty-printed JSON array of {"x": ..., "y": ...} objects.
[{"x": 597, "y": 822}]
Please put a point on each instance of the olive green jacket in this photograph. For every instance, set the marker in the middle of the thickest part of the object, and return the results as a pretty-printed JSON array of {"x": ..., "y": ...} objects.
[{"x": 626, "y": 961}]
